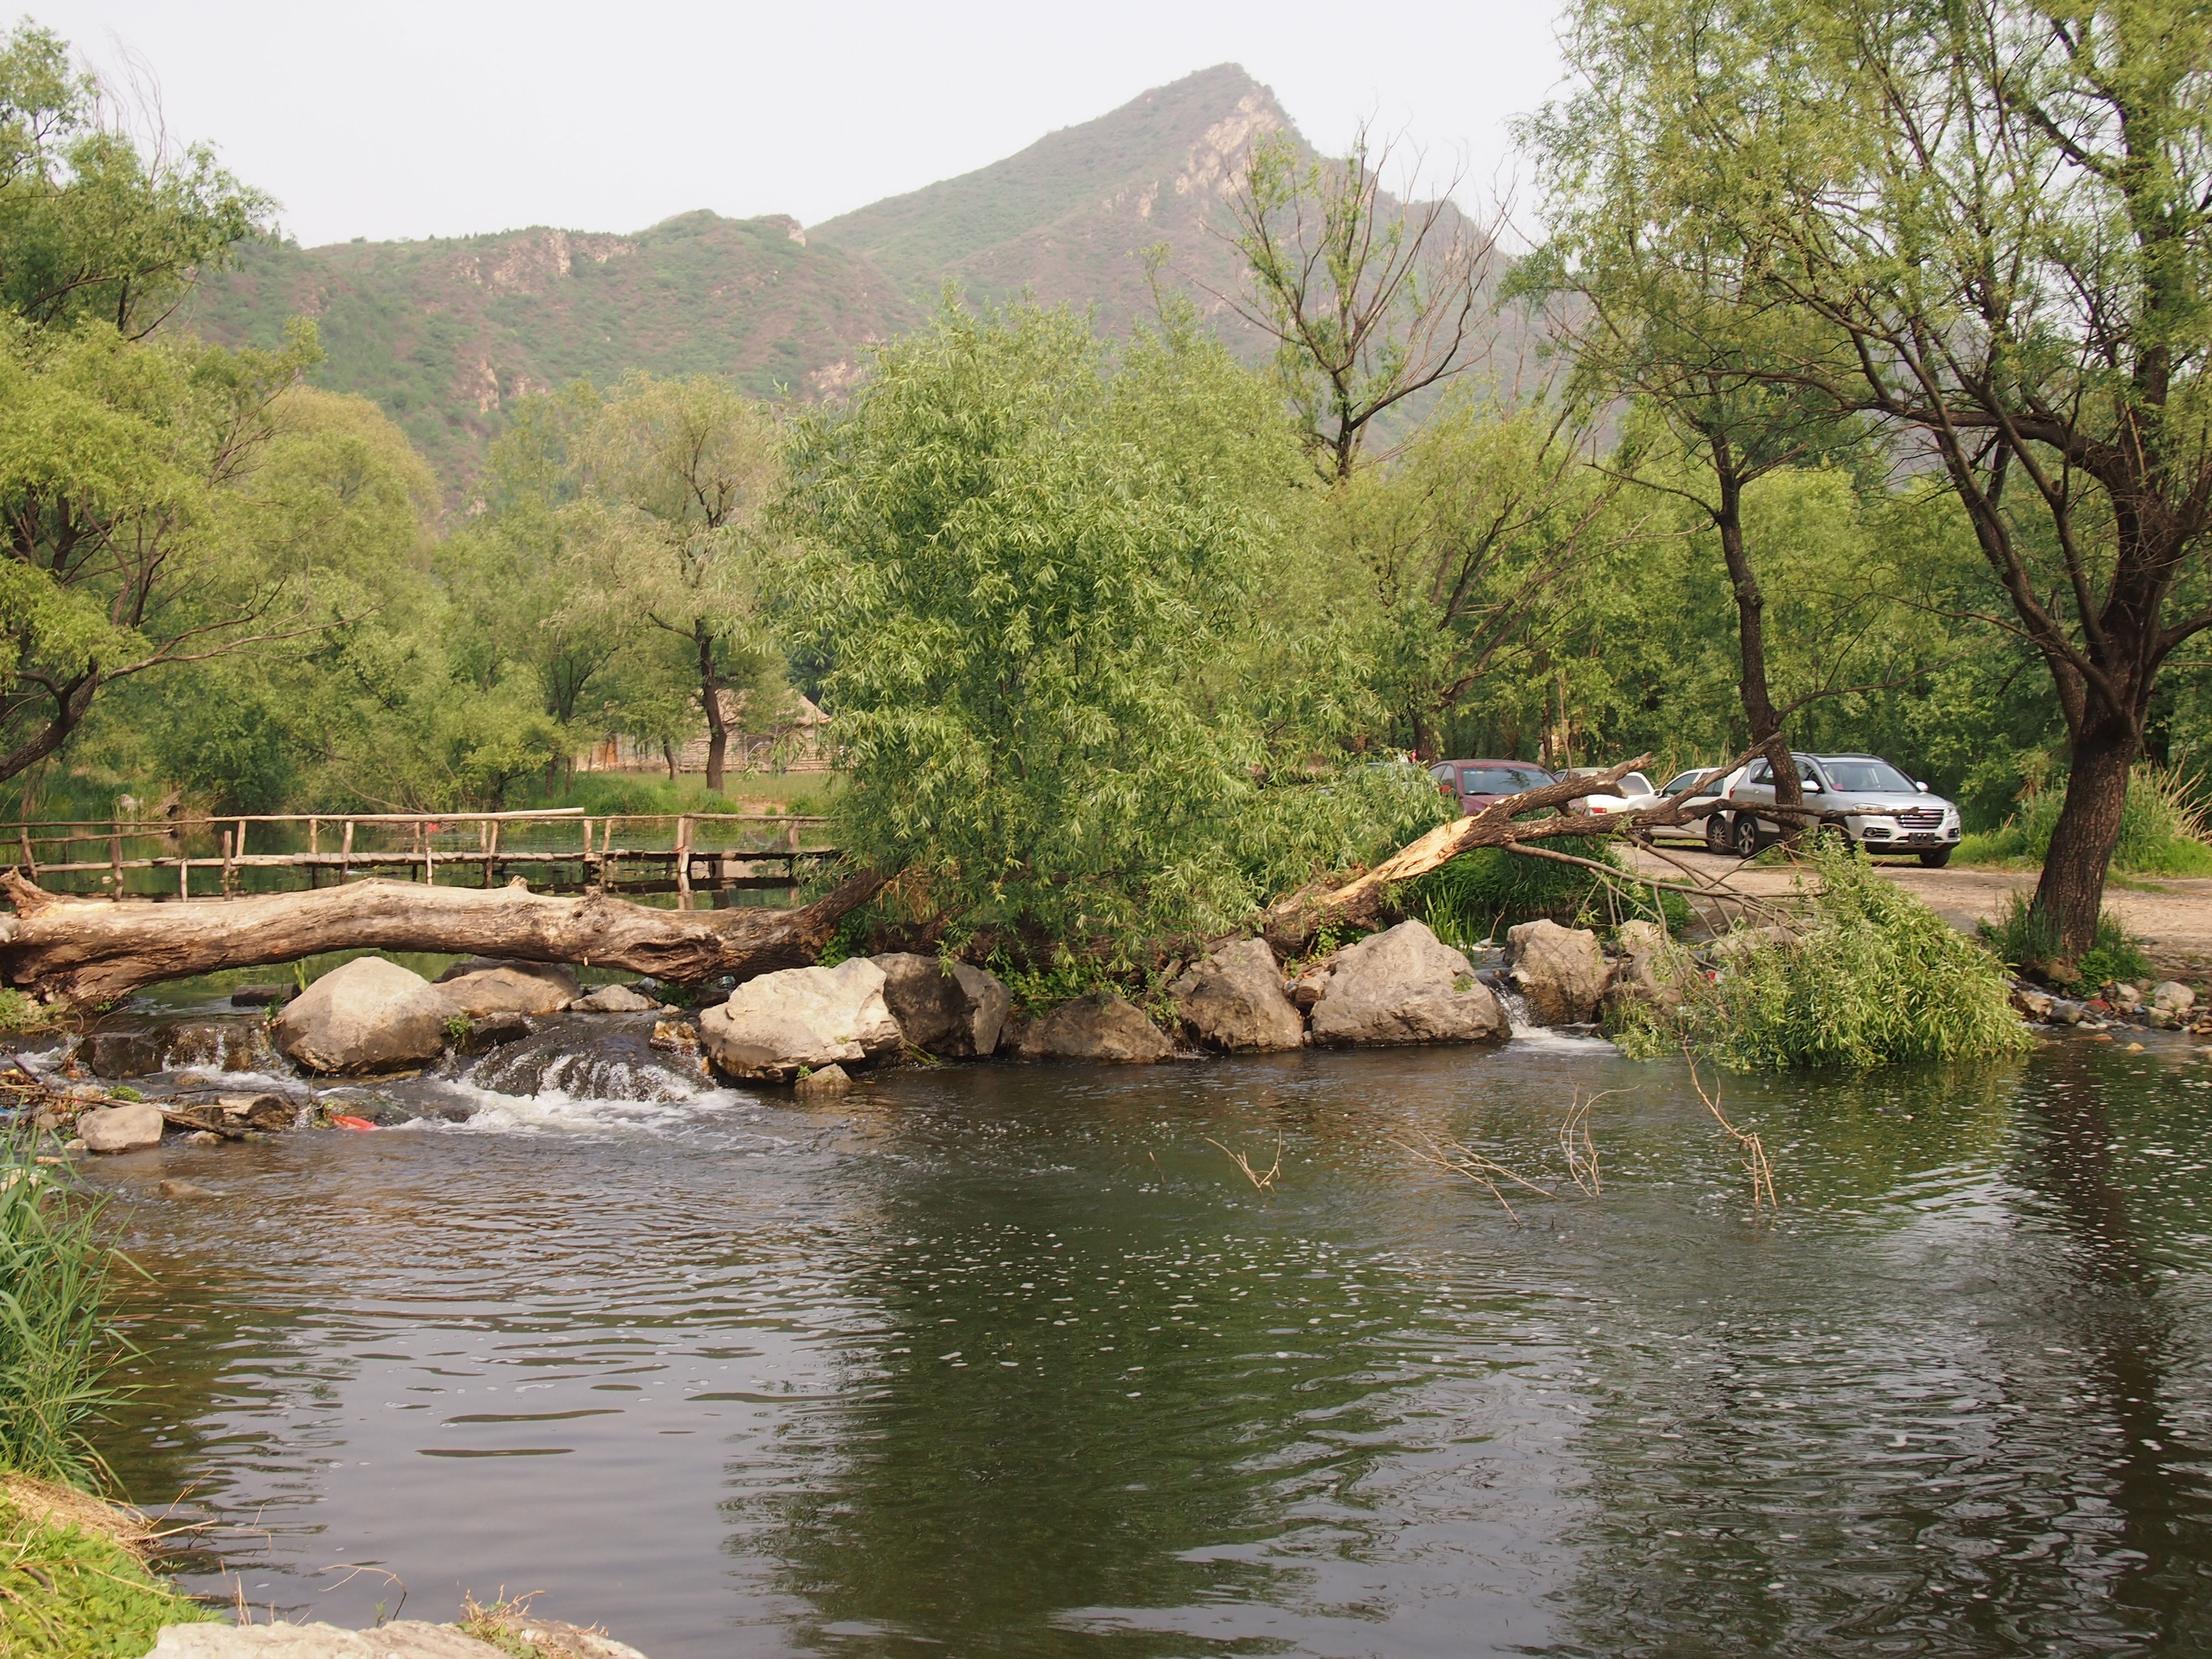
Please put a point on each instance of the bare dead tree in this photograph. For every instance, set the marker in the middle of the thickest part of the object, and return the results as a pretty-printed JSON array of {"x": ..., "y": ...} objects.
[{"x": 1370, "y": 299}]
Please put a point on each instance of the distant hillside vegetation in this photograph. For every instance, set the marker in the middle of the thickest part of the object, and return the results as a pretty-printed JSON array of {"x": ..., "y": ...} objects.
[{"x": 441, "y": 333}]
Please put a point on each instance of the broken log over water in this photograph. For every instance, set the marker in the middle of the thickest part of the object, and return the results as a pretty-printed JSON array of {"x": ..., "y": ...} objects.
[
  {"x": 1293, "y": 924},
  {"x": 92, "y": 950},
  {"x": 686, "y": 853}
]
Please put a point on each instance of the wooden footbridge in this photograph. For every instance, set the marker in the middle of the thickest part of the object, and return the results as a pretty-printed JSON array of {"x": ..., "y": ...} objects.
[{"x": 716, "y": 855}]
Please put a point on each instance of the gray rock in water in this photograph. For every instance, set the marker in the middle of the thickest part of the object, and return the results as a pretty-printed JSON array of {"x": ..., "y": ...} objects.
[
  {"x": 773, "y": 1025},
  {"x": 1650, "y": 970},
  {"x": 124, "y": 1127},
  {"x": 1405, "y": 985},
  {"x": 237, "y": 1043},
  {"x": 488, "y": 1033},
  {"x": 1097, "y": 1028},
  {"x": 1233, "y": 1000},
  {"x": 403, "y": 1638},
  {"x": 121, "y": 1054},
  {"x": 261, "y": 996},
  {"x": 2172, "y": 995},
  {"x": 829, "y": 1080},
  {"x": 1559, "y": 970},
  {"x": 946, "y": 1008},
  {"x": 176, "y": 1189},
  {"x": 483, "y": 987},
  {"x": 371, "y": 1015},
  {"x": 613, "y": 999},
  {"x": 589, "y": 1059}
]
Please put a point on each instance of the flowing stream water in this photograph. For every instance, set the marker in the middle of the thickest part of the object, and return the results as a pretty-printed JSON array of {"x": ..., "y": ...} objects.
[{"x": 1015, "y": 1361}]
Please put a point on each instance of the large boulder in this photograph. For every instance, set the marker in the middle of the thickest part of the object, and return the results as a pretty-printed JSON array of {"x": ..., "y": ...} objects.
[
  {"x": 403, "y": 1638},
  {"x": 946, "y": 1008},
  {"x": 614, "y": 999},
  {"x": 481, "y": 986},
  {"x": 369, "y": 1016},
  {"x": 121, "y": 1128},
  {"x": 775, "y": 1025},
  {"x": 1560, "y": 970},
  {"x": 1405, "y": 985},
  {"x": 1233, "y": 1000},
  {"x": 1097, "y": 1028}
]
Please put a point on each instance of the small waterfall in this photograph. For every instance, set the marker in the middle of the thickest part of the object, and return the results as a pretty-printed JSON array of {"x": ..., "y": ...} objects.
[{"x": 604, "y": 1061}]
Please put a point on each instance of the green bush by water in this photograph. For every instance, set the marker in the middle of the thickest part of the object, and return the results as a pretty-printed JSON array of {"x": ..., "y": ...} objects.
[
  {"x": 1874, "y": 977},
  {"x": 66, "y": 1593},
  {"x": 56, "y": 1344},
  {"x": 1478, "y": 894},
  {"x": 2021, "y": 939}
]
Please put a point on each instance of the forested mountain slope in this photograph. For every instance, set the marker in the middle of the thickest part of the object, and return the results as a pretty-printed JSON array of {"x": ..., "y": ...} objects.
[{"x": 441, "y": 333}]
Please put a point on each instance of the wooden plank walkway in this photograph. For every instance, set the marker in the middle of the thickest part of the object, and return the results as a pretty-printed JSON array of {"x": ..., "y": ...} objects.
[{"x": 556, "y": 850}]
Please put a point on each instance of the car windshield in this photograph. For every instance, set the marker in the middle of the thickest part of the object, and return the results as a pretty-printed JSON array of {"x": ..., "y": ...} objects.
[
  {"x": 1501, "y": 779},
  {"x": 1871, "y": 777}
]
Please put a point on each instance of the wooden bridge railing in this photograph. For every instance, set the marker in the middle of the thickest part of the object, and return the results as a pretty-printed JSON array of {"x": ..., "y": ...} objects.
[{"x": 572, "y": 837}]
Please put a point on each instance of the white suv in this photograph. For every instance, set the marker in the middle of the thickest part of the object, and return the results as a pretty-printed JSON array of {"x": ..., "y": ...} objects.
[{"x": 1862, "y": 797}]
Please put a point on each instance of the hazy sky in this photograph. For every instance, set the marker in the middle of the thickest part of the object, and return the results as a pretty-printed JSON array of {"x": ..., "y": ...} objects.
[{"x": 402, "y": 118}]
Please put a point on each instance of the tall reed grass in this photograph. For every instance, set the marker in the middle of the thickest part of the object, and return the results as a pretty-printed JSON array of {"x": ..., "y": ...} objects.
[
  {"x": 56, "y": 1343},
  {"x": 2165, "y": 828}
]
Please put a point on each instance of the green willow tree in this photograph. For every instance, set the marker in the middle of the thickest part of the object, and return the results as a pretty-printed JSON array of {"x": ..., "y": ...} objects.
[{"x": 2002, "y": 211}]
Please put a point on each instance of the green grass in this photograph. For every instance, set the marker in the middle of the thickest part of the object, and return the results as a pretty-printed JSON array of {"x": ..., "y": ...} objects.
[
  {"x": 68, "y": 1591},
  {"x": 56, "y": 1344},
  {"x": 1874, "y": 978},
  {"x": 2162, "y": 830}
]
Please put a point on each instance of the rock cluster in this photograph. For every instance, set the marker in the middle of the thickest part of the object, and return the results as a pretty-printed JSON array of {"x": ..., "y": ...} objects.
[{"x": 1405, "y": 985}]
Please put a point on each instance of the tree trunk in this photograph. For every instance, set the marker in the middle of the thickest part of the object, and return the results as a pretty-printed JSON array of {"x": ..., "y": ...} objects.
[
  {"x": 1766, "y": 733},
  {"x": 2069, "y": 896},
  {"x": 90, "y": 950},
  {"x": 710, "y": 695}
]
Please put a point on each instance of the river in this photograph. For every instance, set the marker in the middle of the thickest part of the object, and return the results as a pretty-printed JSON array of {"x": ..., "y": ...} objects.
[{"x": 1016, "y": 1361}]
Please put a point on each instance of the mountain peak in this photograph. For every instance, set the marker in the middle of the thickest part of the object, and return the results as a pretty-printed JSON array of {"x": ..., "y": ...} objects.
[{"x": 1070, "y": 218}]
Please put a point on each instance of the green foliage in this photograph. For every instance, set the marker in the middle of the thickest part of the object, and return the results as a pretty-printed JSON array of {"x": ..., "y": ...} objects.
[
  {"x": 56, "y": 1344},
  {"x": 1478, "y": 894},
  {"x": 89, "y": 228},
  {"x": 19, "y": 1013},
  {"x": 1874, "y": 978},
  {"x": 1043, "y": 581},
  {"x": 2161, "y": 827},
  {"x": 70, "y": 1592},
  {"x": 2024, "y": 940}
]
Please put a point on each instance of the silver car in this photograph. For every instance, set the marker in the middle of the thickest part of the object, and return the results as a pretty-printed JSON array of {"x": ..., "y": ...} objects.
[{"x": 1862, "y": 797}]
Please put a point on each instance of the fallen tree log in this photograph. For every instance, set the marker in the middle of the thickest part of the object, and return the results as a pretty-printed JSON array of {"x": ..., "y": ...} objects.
[
  {"x": 92, "y": 950},
  {"x": 1293, "y": 923}
]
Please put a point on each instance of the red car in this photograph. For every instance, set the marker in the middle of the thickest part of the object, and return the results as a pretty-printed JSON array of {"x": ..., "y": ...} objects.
[{"x": 1476, "y": 783}]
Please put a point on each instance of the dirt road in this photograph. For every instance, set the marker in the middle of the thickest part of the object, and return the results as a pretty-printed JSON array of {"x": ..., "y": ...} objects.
[{"x": 2173, "y": 915}]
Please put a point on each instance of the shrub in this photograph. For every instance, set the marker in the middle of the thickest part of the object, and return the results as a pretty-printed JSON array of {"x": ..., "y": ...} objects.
[
  {"x": 1875, "y": 977},
  {"x": 2022, "y": 940},
  {"x": 1478, "y": 895},
  {"x": 55, "y": 1341},
  {"x": 68, "y": 1591}
]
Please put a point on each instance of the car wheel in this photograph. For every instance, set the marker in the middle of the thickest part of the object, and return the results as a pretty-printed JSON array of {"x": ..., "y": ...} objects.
[
  {"x": 1747, "y": 839},
  {"x": 1936, "y": 859},
  {"x": 1717, "y": 833}
]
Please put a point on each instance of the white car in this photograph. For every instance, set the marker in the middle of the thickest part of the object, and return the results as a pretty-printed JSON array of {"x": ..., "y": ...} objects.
[{"x": 1706, "y": 783}]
